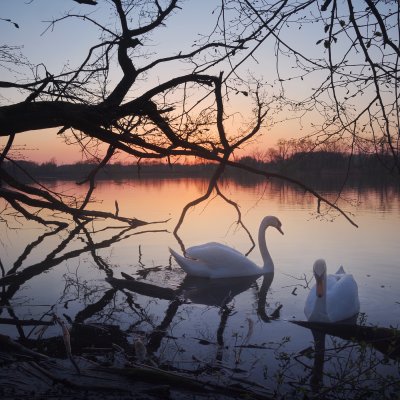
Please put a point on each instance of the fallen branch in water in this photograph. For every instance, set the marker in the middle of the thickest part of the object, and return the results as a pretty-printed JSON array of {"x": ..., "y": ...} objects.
[
  {"x": 385, "y": 340},
  {"x": 152, "y": 374},
  {"x": 8, "y": 344},
  {"x": 143, "y": 288},
  {"x": 75, "y": 385},
  {"x": 67, "y": 341},
  {"x": 24, "y": 322}
]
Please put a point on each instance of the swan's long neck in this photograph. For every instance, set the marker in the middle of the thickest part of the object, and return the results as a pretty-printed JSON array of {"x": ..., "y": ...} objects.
[
  {"x": 320, "y": 312},
  {"x": 262, "y": 244}
]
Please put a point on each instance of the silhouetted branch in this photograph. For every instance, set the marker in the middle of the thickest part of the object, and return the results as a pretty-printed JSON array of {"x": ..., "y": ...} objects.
[
  {"x": 88, "y": 2},
  {"x": 92, "y": 176},
  {"x": 239, "y": 221},
  {"x": 31, "y": 247},
  {"x": 96, "y": 307},
  {"x": 15, "y": 280},
  {"x": 6, "y": 149},
  {"x": 25, "y": 322},
  {"x": 212, "y": 184},
  {"x": 15, "y": 198},
  {"x": 298, "y": 183}
]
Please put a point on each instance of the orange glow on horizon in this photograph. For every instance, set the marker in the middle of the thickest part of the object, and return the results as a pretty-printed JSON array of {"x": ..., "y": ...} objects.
[{"x": 43, "y": 146}]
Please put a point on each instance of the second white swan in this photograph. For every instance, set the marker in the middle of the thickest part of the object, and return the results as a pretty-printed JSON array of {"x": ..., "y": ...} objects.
[
  {"x": 333, "y": 298},
  {"x": 215, "y": 260}
]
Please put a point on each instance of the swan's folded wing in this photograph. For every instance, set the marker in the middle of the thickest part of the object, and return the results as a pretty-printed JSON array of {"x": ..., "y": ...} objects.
[
  {"x": 343, "y": 284},
  {"x": 215, "y": 254},
  {"x": 343, "y": 296}
]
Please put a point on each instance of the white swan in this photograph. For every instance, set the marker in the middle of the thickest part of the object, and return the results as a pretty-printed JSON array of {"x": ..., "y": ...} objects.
[
  {"x": 333, "y": 298},
  {"x": 215, "y": 260}
]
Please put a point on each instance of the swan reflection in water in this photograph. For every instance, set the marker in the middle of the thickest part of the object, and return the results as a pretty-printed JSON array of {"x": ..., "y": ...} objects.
[
  {"x": 385, "y": 340},
  {"x": 319, "y": 336},
  {"x": 220, "y": 292}
]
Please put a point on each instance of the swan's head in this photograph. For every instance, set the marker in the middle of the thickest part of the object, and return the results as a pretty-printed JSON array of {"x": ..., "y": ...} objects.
[
  {"x": 319, "y": 269},
  {"x": 272, "y": 221}
]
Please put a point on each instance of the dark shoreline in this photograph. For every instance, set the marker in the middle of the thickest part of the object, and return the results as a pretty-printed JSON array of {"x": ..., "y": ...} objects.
[{"x": 301, "y": 165}]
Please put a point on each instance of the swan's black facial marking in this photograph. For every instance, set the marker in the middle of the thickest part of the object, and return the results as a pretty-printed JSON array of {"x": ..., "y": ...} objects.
[
  {"x": 319, "y": 268},
  {"x": 278, "y": 226}
]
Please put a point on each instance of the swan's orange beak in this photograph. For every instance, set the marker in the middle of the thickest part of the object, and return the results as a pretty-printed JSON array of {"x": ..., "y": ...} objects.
[{"x": 320, "y": 286}]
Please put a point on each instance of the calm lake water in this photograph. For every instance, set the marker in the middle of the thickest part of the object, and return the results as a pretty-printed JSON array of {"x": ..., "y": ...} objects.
[{"x": 220, "y": 324}]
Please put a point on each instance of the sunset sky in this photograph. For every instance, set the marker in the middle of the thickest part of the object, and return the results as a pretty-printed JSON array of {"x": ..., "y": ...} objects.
[{"x": 67, "y": 44}]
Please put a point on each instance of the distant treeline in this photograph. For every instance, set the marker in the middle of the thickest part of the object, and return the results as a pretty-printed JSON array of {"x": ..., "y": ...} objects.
[
  {"x": 81, "y": 170},
  {"x": 327, "y": 168},
  {"x": 322, "y": 164},
  {"x": 325, "y": 162}
]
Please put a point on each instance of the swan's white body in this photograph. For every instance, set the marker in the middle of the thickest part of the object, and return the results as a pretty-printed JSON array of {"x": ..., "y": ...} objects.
[
  {"x": 215, "y": 260},
  {"x": 333, "y": 298}
]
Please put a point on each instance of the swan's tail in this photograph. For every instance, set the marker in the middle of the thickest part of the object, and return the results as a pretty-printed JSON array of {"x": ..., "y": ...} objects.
[
  {"x": 189, "y": 265},
  {"x": 340, "y": 270},
  {"x": 179, "y": 259},
  {"x": 174, "y": 254}
]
